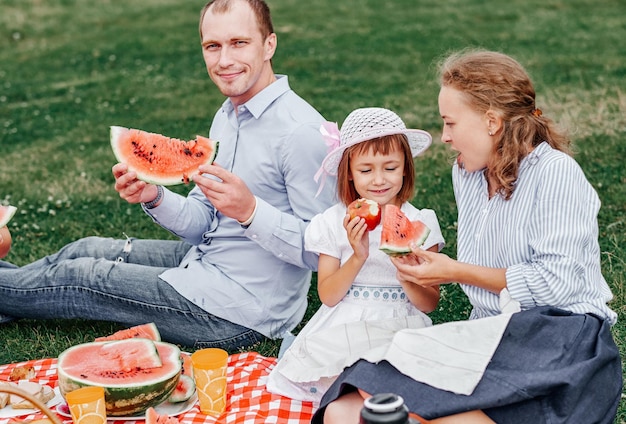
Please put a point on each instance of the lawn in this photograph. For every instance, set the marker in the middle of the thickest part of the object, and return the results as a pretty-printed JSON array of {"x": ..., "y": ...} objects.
[{"x": 69, "y": 69}]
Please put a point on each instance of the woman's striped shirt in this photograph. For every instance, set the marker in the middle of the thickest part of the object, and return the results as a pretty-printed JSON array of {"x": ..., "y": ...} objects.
[{"x": 546, "y": 236}]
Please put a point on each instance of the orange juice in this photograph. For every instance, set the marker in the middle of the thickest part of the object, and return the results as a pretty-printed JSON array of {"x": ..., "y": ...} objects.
[
  {"x": 87, "y": 405},
  {"x": 209, "y": 373}
]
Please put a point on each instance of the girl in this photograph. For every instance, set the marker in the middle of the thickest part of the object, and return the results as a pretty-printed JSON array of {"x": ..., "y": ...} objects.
[
  {"x": 527, "y": 232},
  {"x": 363, "y": 302}
]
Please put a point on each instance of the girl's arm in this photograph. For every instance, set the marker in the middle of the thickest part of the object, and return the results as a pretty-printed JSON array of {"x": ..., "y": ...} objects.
[
  {"x": 424, "y": 298},
  {"x": 333, "y": 279}
]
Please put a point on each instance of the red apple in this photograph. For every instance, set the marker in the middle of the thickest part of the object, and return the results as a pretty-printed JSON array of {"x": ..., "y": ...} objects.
[{"x": 366, "y": 209}]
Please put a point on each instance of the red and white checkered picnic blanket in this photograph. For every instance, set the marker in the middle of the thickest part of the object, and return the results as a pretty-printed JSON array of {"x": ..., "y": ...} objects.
[{"x": 248, "y": 402}]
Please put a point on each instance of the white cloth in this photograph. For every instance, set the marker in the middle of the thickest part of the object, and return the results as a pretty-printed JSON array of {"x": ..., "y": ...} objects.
[
  {"x": 370, "y": 314},
  {"x": 451, "y": 356}
]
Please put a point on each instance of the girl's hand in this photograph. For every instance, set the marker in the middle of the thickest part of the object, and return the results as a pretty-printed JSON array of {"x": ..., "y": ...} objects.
[{"x": 358, "y": 236}]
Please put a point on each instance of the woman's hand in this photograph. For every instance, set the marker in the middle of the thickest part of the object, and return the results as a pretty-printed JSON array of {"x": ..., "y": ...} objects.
[
  {"x": 428, "y": 269},
  {"x": 423, "y": 267}
]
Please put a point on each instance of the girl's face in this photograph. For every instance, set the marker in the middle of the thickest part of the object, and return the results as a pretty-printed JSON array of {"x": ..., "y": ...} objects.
[
  {"x": 378, "y": 177},
  {"x": 465, "y": 130}
]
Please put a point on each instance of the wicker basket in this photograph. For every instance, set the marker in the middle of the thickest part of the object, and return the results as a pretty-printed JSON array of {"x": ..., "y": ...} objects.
[{"x": 36, "y": 402}]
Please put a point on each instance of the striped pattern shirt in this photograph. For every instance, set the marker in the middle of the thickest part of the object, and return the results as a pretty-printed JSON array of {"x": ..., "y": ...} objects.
[{"x": 546, "y": 236}]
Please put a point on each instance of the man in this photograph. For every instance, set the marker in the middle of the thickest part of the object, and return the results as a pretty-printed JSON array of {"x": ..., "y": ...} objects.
[{"x": 240, "y": 272}]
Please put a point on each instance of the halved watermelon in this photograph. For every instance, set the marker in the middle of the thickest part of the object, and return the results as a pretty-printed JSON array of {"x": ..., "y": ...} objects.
[
  {"x": 126, "y": 369},
  {"x": 158, "y": 159},
  {"x": 398, "y": 232},
  {"x": 146, "y": 331},
  {"x": 6, "y": 213}
]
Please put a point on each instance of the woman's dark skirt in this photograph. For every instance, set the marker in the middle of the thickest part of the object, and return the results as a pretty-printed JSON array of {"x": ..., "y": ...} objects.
[{"x": 551, "y": 366}]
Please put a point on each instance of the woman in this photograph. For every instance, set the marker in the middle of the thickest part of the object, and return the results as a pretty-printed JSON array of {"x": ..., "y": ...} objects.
[{"x": 527, "y": 233}]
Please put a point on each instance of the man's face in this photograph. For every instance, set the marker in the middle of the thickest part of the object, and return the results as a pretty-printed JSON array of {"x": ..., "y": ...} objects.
[{"x": 237, "y": 57}]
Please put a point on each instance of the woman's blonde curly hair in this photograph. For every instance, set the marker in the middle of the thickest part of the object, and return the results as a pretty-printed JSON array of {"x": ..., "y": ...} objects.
[{"x": 494, "y": 81}]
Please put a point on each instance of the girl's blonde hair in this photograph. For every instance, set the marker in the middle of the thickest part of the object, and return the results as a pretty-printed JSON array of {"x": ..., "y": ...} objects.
[
  {"x": 381, "y": 145},
  {"x": 494, "y": 81}
]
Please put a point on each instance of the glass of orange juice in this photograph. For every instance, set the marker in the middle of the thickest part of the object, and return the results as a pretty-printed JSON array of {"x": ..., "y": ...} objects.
[
  {"x": 209, "y": 372},
  {"x": 87, "y": 405}
]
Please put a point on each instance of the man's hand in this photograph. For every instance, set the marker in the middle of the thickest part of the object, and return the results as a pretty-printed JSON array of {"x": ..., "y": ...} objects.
[
  {"x": 130, "y": 188},
  {"x": 230, "y": 195}
]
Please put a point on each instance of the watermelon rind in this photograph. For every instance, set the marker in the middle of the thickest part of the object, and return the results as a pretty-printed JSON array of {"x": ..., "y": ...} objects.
[
  {"x": 185, "y": 388},
  {"x": 6, "y": 213},
  {"x": 123, "y": 399},
  {"x": 395, "y": 250},
  {"x": 392, "y": 250},
  {"x": 145, "y": 172}
]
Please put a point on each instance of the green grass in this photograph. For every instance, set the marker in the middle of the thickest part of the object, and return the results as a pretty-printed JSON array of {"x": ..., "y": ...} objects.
[{"x": 71, "y": 68}]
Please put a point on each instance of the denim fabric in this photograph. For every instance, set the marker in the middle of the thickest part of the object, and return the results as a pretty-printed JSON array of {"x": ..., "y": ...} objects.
[
  {"x": 552, "y": 366},
  {"x": 116, "y": 280}
]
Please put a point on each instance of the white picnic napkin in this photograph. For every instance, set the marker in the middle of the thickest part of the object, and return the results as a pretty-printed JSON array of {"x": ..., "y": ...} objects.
[{"x": 452, "y": 356}]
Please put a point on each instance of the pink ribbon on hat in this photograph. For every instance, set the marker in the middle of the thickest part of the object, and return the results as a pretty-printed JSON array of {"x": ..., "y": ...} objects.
[
  {"x": 330, "y": 132},
  {"x": 332, "y": 138}
]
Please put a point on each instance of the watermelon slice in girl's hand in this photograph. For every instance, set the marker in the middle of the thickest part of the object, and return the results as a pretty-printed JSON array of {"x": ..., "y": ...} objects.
[
  {"x": 158, "y": 159},
  {"x": 6, "y": 213},
  {"x": 399, "y": 233}
]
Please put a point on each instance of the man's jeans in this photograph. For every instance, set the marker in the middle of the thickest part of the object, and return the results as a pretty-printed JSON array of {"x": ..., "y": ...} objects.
[{"x": 116, "y": 280}]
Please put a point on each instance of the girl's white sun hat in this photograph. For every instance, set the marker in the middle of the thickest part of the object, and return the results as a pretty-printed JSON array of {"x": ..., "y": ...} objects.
[{"x": 362, "y": 125}]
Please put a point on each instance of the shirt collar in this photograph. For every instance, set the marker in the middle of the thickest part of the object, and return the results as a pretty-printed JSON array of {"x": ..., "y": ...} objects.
[
  {"x": 262, "y": 100},
  {"x": 533, "y": 157}
]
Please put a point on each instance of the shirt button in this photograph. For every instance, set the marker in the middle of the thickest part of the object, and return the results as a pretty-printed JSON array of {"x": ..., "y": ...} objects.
[{"x": 253, "y": 236}]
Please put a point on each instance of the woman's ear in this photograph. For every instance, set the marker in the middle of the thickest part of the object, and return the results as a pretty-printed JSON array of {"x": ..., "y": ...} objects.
[{"x": 493, "y": 121}]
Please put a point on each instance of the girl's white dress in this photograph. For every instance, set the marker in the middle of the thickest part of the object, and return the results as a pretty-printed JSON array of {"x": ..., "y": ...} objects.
[{"x": 372, "y": 311}]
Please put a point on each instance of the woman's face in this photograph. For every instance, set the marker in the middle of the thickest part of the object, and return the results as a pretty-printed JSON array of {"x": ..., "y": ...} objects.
[{"x": 465, "y": 130}]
